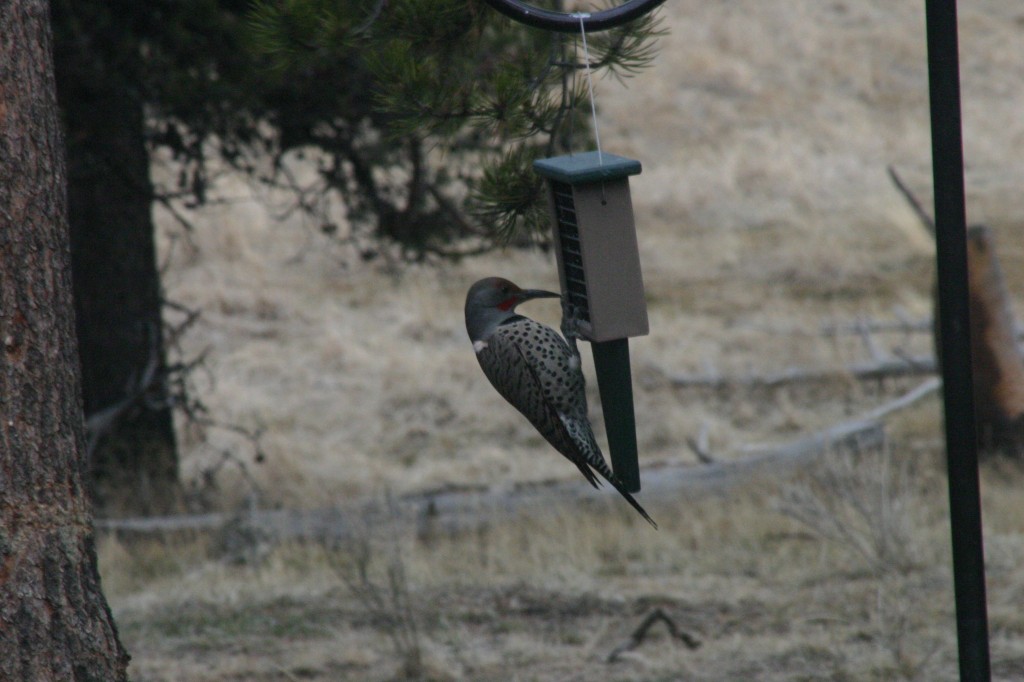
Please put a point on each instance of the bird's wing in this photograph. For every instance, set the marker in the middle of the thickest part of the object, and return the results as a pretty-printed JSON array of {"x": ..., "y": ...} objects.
[{"x": 512, "y": 373}]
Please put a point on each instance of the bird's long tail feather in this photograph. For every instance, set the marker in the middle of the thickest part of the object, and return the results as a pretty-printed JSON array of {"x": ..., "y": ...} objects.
[{"x": 629, "y": 498}]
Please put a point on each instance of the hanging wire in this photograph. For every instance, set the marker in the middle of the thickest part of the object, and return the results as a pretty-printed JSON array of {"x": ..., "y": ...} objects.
[
  {"x": 590, "y": 85},
  {"x": 572, "y": 102}
]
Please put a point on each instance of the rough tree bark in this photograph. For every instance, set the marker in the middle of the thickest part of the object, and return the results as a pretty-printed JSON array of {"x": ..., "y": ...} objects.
[
  {"x": 996, "y": 361},
  {"x": 54, "y": 620},
  {"x": 134, "y": 468}
]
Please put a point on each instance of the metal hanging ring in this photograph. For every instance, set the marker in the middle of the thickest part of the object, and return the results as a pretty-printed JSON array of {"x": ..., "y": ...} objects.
[{"x": 570, "y": 22}]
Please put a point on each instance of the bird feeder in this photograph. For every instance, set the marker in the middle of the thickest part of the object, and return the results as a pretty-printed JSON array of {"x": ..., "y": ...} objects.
[{"x": 599, "y": 270}]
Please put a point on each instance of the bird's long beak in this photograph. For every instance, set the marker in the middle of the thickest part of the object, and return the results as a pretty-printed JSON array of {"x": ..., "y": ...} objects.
[{"x": 527, "y": 294}]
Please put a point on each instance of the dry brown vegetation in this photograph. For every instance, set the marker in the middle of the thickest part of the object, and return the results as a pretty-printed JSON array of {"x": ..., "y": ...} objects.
[{"x": 764, "y": 214}]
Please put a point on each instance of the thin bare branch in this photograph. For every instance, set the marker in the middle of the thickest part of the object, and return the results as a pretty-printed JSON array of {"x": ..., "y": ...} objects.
[
  {"x": 908, "y": 365},
  {"x": 105, "y": 420},
  {"x": 922, "y": 215},
  {"x": 700, "y": 446}
]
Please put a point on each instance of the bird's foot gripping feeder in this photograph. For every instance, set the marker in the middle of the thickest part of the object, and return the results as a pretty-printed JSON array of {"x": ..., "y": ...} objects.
[{"x": 599, "y": 270}]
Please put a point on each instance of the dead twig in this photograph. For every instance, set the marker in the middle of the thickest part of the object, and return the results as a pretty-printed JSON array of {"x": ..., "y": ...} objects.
[
  {"x": 700, "y": 446},
  {"x": 104, "y": 421},
  {"x": 923, "y": 389},
  {"x": 915, "y": 205},
  {"x": 864, "y": 331},
  {"x": 640, "y": 634}
]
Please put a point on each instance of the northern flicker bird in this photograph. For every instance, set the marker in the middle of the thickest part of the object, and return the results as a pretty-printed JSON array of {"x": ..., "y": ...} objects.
[{"x": 538, "y": 372}]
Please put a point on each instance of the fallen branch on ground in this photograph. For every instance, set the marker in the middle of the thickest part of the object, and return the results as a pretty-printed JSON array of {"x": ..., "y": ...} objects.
[
  {"x": 458, "y": 510},
  {"x": 875, "y": 369},
  {"x": 640, "y": 634}
]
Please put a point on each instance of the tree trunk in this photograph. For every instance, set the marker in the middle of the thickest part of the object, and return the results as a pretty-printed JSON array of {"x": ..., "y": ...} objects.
[
  {"x": 54, "y": 620},
  {"x": 116, "y": 282},
  {"x": 997, "y": 365}
]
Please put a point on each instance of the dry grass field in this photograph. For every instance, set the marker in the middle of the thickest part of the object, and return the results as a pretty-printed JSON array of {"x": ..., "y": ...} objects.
[{"x": 765, "y": 216}]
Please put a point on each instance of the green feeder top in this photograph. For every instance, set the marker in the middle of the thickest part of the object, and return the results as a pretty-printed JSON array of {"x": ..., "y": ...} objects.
[{"x": 586, "y": 167}]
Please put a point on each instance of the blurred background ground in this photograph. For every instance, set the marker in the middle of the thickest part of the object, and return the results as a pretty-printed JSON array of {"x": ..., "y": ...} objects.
[{"x": 764, "y": 216}]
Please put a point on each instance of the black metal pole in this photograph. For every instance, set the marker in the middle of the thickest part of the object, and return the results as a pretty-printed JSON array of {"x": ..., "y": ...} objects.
[
  {"x": 955, "y": 342},
  {"x": 615, "y": 383}
]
